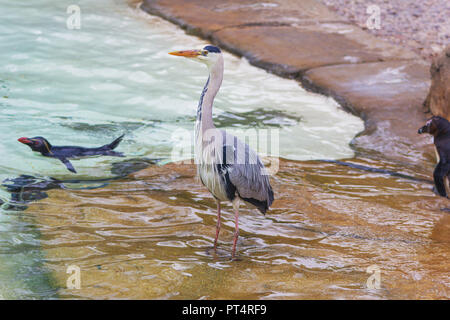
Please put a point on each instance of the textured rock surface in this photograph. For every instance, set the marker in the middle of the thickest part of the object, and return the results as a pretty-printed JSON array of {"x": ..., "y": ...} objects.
[
  {"x": 205, "y": 17},
  {"x": 388, "y": 95},
  {"x": 438, "y": 99},
  {"x": 283, "y": 36},
  {"x": 423, "y": 25}
]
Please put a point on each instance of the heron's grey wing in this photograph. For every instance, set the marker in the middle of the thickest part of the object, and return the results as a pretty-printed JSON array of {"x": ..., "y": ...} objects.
[{"x": 247, "y": 173}]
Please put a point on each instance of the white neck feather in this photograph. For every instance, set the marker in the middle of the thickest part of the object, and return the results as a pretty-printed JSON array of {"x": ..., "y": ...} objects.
[{"x": 204, "y": 114}]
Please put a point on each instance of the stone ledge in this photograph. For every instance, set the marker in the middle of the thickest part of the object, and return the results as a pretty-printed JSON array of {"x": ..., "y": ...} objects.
[
  {"x": 205, "y": 17},
  {"x": 305, "y": 34},
  {"x": 387, "y": 95},
  {"x": 290, "y": 51}
]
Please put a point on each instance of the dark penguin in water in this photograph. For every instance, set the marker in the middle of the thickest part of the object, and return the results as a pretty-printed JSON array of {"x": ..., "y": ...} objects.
[
  {"x": 64, "y": 153},
  {"x": 439, "y": 128}
]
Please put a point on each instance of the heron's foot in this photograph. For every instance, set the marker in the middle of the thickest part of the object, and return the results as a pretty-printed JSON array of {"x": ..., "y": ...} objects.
[{"x": 236, "y": 258}]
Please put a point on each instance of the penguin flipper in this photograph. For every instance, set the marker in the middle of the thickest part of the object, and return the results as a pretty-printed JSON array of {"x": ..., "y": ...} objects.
[{"x": 68, "y": 165}]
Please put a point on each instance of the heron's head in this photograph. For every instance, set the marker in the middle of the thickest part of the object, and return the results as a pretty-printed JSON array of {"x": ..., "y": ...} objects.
[
  {"x": 38, "y": 144},
  {"x": 209, "y": 55}
]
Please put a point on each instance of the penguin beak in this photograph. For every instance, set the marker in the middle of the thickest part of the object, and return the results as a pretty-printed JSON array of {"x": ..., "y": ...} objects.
[
  {"x": 25, "y": 140},
  {"x": 422, "y": 130},
  {"x": 187, "y": 53}
]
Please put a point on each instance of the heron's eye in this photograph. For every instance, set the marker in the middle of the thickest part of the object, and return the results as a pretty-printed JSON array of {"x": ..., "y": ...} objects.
[{"x": 204, "y": 53}]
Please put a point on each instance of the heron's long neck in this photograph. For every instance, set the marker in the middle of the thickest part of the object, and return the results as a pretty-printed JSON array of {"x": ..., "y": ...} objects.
[{"x": 204, "y": 111}]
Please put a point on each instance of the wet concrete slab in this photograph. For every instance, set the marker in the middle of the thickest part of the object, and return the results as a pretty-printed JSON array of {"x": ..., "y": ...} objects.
[
  {"x": 205, "y": 17},
  {"x": 291, "y": 50},
  {"x": 388, "y": 95},
  {"x": 284, "y": 37}
]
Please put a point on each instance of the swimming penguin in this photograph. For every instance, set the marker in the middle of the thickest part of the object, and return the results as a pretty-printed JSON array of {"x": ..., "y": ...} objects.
[
  {"x": 64, "y": 153},
  {"x": 439, "y": 128}
]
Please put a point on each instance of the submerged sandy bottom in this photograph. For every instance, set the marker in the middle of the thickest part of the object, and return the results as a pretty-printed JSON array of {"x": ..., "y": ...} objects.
[{"x": 150, "y": 236}]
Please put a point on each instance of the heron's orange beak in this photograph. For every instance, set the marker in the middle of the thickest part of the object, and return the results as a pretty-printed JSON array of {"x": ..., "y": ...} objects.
[{"x": 187, "y": 53}]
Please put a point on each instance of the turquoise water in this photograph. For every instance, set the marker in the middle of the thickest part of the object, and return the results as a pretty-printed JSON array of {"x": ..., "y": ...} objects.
[{"x": 113, "y": 76}]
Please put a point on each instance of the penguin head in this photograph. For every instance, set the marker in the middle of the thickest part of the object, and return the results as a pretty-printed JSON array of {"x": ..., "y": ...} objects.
[
  {"x": 38, "y": 144},
  {"x": 435, "y": 125}
]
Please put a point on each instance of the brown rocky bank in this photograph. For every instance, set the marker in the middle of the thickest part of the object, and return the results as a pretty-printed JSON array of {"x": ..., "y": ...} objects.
[
  {"x": 423, "y": 26},
  {"x": 438, "y": 99}
]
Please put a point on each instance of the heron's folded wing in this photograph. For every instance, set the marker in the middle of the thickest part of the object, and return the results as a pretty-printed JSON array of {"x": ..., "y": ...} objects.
[{"x": 246, "y": 171}]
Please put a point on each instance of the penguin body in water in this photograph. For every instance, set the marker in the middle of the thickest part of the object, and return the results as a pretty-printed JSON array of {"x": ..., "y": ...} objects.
[
  {"x": 64, "y": 153},
  {"x": 439, "y": 128}
]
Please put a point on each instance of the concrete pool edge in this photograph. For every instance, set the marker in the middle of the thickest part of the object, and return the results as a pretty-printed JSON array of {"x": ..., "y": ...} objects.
[{"x": 383, "y": 84}]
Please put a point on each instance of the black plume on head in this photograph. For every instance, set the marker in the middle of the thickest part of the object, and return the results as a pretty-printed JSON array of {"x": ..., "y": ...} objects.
[
  {"x": 212, "y": 49},
  {"x": 43, "y": 140}
]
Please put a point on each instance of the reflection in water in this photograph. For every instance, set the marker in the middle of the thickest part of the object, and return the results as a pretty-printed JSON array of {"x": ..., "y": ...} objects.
[
  {"x": 258, "y": 118},
  {"x": 25, "y": 188}
]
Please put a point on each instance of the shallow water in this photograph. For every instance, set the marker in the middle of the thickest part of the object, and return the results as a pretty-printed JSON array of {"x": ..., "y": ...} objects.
[
  {"x": 327, "y": 226},
  {"x": 149, "y": 234}
]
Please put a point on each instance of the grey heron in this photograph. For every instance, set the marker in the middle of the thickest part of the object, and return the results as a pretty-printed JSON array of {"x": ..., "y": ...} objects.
[{"x": 227, "y": 167}]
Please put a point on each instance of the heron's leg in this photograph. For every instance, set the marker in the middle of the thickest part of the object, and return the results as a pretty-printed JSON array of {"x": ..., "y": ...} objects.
[
  {"x": 236, "y": 218},
  {"x": 217, "y": 225}
]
